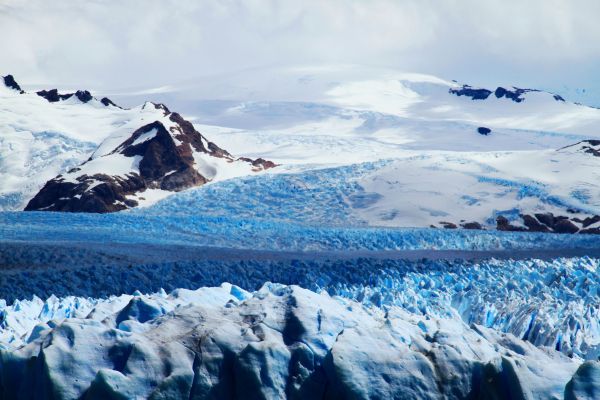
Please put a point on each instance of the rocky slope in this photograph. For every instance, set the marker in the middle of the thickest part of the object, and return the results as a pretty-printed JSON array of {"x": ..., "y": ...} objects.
[{"x": 166, "y": 155}]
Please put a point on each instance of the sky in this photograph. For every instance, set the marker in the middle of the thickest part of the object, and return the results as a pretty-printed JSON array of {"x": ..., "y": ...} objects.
[{"x": 122, "y": 45}]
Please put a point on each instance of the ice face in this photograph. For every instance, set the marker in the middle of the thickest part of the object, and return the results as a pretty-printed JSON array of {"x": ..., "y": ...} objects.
[{"x": 280, "y": 341}]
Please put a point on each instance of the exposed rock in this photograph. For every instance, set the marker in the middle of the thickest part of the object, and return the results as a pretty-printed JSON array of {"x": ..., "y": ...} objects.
[
  {"x": 482, "y": 94},
  {"x": 565, "y": 226},
  {"x": 472, "y": 225},
  {"x": 475, "y": 94},
  {"x": 259, "y": 163},
  {"x": 539, "y": 222},
  {"x": 514, "y": 95},
  {"x": 558, "y": 98},
  {"x": 108, "y": 102},
  {"x": 448, "y": 225},
  {"x": 546, "y": 219},
  {"x": 591, "y": 147},
  {"x": 502, "y": 224},
  {"x": 482, "y": 130},
  {"x": 587, "y": 146},
  {"x": 9, "y": 81},
  {"x": 589, "y": 221},
  {"x": 591, "y": 231},
  {"x": 53, "y": 96},
  {"x": 533, "y": 224},
  {"x": 83, "y": 95}
]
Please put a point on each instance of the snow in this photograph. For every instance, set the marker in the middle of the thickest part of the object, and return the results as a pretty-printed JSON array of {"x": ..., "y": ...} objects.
[
  {"x": 414, "y": 190},
  {"x": 144, "y": 137},
  {"x": 110, "y": 164},
  {"x": 331, "y": 117},
  {"x": 40, "y": 140}
]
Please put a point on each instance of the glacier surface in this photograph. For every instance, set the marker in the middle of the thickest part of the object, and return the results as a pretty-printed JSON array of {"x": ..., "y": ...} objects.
[{"x": 277, "y": 342}]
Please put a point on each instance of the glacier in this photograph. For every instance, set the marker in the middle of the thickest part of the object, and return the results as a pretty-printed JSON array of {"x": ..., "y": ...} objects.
[
  {"x": 279, "y": 341},
  {"x": 272, "y": 304},
  {"x": 311, "y": 280}
]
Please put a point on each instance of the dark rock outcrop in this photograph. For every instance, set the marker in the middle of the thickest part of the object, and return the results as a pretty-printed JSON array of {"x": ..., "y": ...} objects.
[
  {"x": 473, "y": 93},
  {"x": 533, "y": 224},
  {"x": 588, "y": 221},
  {"x": 448, "y": 225},
  {"x": 472, "y": 225},
  {"x": 482, "y": 94},
  {"x": 514, "y": 95},
  {"x": 548, "y": 222},
  {"x": 53, "y": 96},
  {"x": 166, "y": 162},
  {"x": 502, "y": 224},
  {"x": 108, "y": 102},
  {"x": 482, "y": 130},
  {"x": 10, "y": 82},
  {"x": 545, "y": 218},
  {"x": 563, "y": 225},
  {"x": 259, "y": 163},
  {"x": 83, "y": 95},
  {"x": 589, "y": 146}
]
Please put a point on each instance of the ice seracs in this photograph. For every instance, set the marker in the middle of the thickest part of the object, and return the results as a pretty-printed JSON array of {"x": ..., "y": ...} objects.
[{"x": 278, "y": 342}]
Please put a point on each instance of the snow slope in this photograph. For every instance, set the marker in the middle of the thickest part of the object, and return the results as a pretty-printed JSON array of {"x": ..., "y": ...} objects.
[
  {"x": 413, "y": 189},
  {"x": 306, "y": 117},
  {"x": 441, "y": 168}
]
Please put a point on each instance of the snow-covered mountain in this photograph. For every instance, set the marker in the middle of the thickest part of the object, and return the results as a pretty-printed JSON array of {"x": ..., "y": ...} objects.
[
  {"x": 91, "y": 155},
  {"x": 456, "y": 155},
  {"x": 163, "y": 156}
]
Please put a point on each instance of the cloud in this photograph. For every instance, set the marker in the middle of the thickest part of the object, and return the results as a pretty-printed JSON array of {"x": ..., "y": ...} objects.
[{"x": 137, "y": 43}]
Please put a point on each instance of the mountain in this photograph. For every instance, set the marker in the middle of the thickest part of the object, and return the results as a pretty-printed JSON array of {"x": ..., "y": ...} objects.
[
  {"x": 455, "y": 155},
  {"x": 166, "y": 155},
  {"x": 91, "y": 155}
]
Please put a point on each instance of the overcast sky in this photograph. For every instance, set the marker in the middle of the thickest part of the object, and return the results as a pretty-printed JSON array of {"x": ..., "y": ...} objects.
[{"x": 146, "y": 43}]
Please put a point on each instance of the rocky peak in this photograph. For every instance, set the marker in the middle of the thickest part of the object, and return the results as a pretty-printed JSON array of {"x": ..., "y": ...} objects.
[
  {"x": 10, "y": 82},
  {"x": 108, "y": 102},
  {"x": 157, "y": 106},
  {"x": 53, "y": 96}
]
